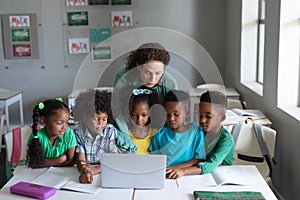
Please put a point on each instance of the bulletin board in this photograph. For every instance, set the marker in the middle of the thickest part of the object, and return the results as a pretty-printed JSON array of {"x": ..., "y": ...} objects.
[
  {"x": 87, "y": 23},
  {"x": 20, "y": 39}
]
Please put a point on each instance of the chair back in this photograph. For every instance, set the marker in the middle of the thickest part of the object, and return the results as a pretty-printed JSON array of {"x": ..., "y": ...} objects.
[
  {"x": 235, "y": 103},
  {"x": 16, "y": 147},
  {"x": 211, "y": 86},
  {"x": 248, "y": 150}
]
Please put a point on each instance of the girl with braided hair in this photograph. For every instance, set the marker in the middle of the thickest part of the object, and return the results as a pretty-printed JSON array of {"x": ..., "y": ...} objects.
[{"x": 54, "y": 144}]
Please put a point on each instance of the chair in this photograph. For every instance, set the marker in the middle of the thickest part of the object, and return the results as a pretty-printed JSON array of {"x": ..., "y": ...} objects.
[
  {"x": 248, "y": 150},
  {"x": 211, "y": 86},
  {"x": 16, "y": 148},
  {"x": 235, "y": 103},
  {"x": 2, "y": 120}
]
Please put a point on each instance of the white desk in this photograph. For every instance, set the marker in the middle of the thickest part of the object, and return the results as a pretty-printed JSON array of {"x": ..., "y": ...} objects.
[
  {"x": 22, "y": 173},
  {"x": 172, "y": 190},
  {"x": 257, "y": 183},
  {"x": 9, "y": 98},
  {"x": 195, "y": 94}
]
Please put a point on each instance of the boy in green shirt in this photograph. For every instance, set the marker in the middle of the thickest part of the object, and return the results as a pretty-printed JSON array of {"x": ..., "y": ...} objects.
[{"x": 218, "y": 141}]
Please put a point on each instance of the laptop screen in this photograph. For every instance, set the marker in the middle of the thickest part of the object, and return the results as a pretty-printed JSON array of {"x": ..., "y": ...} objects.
[{"x": 139, "y": 171}]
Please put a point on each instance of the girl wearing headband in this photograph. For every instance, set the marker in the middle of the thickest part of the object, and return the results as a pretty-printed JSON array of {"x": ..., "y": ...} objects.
[{"x": 139, "y": 124}]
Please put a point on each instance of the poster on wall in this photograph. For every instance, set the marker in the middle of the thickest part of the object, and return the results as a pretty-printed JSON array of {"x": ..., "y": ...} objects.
[
  {"x": 78, "y": 45},
  {"x": 76, "y": 2},
  {"x": 121, "y": 18},
  {"x": 98, "y": 35},
  {"x": 98, "y": 2},
  {"x": 20, "y": 35},
  {"x": 121, "y": 2},
  {"x": 78, "y": 18},
  {"x": 21, "y": 50},
  {"x": 19, "y": 21},
  {"x": 101, "y": 53}
]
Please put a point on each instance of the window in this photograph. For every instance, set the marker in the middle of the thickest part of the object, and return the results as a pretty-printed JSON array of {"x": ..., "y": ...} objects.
[
  {"x": 288, "y": 59},
  {"x": 261, "y": 41},
  {"x": 252, "y": 44}
]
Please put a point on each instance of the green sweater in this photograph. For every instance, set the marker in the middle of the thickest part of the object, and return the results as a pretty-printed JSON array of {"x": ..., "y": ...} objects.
[{"x": 219, "y": 152}]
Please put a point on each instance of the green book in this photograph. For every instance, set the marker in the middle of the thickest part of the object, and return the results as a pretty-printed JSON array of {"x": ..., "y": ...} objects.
[{"x": 199, "y": 195}]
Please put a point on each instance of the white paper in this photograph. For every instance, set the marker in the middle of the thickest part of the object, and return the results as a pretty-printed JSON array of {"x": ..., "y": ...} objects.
[
  {"x": 67, "y": 178},
  {"x": 223, "y": 175},
  {"x": 248, "y": 112},
  {"x": 75, "y": 185},
  {"x": 196, "y": 181},
  {"x": 230, "y": 175}
]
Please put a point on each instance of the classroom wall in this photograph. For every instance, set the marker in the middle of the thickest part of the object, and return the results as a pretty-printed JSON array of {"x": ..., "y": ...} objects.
[
  {"x": 215, "y": 24},
  {"x": 286, "y": 172},
  {"x": 53, "y": 74}
]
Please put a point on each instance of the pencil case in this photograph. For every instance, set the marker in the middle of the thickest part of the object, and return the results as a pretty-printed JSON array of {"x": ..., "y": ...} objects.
[{"x": 32, "y": 190}]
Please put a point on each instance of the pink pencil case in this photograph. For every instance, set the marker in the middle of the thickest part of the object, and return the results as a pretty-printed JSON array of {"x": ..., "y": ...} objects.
[{"x": 32, "y": 190}]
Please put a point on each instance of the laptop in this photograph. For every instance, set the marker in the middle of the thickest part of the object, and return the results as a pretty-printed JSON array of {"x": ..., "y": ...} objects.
[{"x": 138, "y": 171}]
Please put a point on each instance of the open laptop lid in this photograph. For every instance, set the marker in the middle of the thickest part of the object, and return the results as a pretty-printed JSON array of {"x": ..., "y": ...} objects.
[{"x": 140, "y": 171}]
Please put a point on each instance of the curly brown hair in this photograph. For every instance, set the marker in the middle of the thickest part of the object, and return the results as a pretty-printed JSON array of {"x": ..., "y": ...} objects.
[
  {"x": 147, "y": 52},
  {"x": 93, "y": 101}
]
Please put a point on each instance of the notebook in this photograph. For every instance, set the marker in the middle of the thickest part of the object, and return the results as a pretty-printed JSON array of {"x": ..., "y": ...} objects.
[{"x": 139, "y": 171}]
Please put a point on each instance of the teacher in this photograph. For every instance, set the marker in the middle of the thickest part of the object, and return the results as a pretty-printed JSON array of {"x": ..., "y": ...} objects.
[{"x": 145, "y": 68}]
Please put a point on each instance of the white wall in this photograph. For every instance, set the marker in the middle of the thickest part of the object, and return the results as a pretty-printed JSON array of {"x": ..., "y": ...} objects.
[
  {"x": 286, "y": 173},
  {"x": 202, "y": 20}
]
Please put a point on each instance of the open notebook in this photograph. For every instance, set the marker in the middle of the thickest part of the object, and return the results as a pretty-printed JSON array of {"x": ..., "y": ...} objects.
[
  {"x": 222, "y": 175},
  {"x": 65, "y": 178}
]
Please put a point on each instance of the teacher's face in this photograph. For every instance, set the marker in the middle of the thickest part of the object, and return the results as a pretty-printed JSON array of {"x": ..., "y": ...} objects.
[{"x": 151, "y": 72}]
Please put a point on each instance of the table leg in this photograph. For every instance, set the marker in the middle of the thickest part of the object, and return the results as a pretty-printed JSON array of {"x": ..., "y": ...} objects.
[
  {"x": 7, "y": 117},
  {"x": 21, "y": 111}
]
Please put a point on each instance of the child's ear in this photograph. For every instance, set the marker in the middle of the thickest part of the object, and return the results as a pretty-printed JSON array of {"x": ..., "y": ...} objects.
[
  {"x": 223, "y": 116},
  {"x": 187, "y": 112},
  {"x": 43, "y": 121}
]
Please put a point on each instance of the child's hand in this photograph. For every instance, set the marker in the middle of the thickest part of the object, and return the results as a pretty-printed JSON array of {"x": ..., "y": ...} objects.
[
  {"x": 86, "y": 177},
  {"x": 173, "y": 173},
  {"x": 87, "y": 168}
]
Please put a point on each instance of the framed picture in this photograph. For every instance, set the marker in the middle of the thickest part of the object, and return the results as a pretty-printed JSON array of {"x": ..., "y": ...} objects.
[
  {"x": 78, "y": 18},
  {"x": 98, "y": 35},
  {"x": 78, "y": 45},
  {"x": 121, "y": 18},
  {"x": 21, "y": 50},
  {"x": 121, "y": 2},
  {"x": 19, "y": 21},
  {"x": 101, "y": 53},
  {"x": 98, "y": 2},
  {"x": 76, "y": 2},
  {"x": 20, "y": 35}
]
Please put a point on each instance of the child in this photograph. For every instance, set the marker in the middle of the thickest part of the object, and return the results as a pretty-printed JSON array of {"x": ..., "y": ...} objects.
[
  {"x": 95, "y": 133},
  {"x": 182, "y": 143},
  {"x": 139, "y": 109},
  {"x": 219, "y": 142},
  {"x": 54, "y": 144}
]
